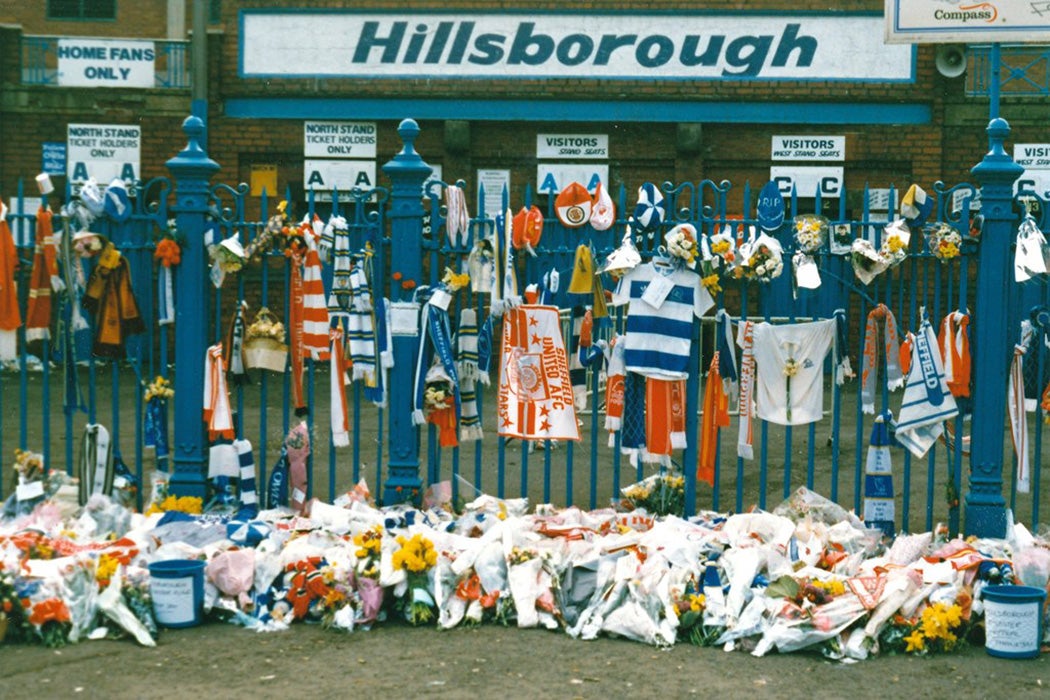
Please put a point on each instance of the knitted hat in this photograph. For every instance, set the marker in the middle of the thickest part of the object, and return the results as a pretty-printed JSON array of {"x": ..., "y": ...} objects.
[
  {"x": 117, "y": 205},
  {"x": 603, "y": 211},
  {"x": 916, "y": 206},
  {"x": 527, "y": 228},
  {"x": 649, "y": 212},
  {"x": 573, "y": 205}
]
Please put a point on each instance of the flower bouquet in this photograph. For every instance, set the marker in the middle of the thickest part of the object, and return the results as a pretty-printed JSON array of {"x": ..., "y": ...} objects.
[
  {"x": 761, "y": 260},
  {"x": 226, "y": 257},
  {"x": 416, "y": 557},
  {"x": 943, "y": 242},
  {"x": 659, "y": 494},
  {"x": 811, "y": 231},
  {"x": 681, "y": 244},
  {"x": 895, "y": 239},
  {"x": 264, "y": 346},
  {"x": 867, "y": 262},
  {"x": 689, "y": 605},
  {"x": 369, "y": 551},
  {"x": 51, "y": 620},
  {"x": 531, "y": 588},
  {"x": 939, "y": 627},
  {"x": 14, "y": 617}
]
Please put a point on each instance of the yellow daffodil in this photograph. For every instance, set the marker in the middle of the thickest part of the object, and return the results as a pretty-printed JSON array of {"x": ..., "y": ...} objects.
[{"x": 916, "y": 642}]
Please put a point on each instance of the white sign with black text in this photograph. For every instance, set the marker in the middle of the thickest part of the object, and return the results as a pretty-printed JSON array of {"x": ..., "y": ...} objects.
[
  {"x": 494, "y": 182},
  {"x": 572, "y": 146},
  {"x": 339, "y": 139},
  {"x": 808, "y": 180},
  {"x": 103, "y": 151},
  {"x": 1035, "y": 159},
  {"x": 106, "y": 63},
  {"x": 809, "y": 148}
]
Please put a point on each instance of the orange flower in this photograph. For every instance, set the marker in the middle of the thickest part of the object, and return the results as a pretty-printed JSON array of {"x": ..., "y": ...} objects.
[
  {"x": 49, "y": 610},
  {"x": 168, "y": 252},
  {"x": 7, "y": 606}
]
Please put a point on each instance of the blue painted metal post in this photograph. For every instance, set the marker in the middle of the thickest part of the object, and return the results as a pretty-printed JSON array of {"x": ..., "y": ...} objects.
[
  {"x": 407, "y": 172},
  {"x": 192, "y": 169},
  {"x": 985, "y": 509}
]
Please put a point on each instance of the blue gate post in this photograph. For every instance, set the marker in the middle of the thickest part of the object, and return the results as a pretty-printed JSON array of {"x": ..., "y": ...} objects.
[
  {"x": 192, "y": 169},
  {"x": 407, "y": 172},
  {"x": 985, "y": 506}
]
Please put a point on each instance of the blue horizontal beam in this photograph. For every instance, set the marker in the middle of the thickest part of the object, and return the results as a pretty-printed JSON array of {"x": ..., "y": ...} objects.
[{"x": 582, "y": 111}]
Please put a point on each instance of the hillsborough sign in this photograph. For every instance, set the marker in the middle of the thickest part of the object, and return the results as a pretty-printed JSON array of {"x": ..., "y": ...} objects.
[{"x": 587, "y": 45}]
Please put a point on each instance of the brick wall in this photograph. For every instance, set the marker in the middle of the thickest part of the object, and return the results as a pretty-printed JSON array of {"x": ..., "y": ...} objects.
[{"x": 944, "y": 150}]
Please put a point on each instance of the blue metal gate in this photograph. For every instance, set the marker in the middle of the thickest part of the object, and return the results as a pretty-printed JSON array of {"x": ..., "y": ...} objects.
[{"x": 827, "y": 456}]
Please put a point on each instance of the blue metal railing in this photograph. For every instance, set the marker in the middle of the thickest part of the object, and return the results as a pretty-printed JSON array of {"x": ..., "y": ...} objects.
[
  {"x": 40, "y": 62},
  {"x": 827, "y": 456},
  {"x": 1024, "y": 71}
]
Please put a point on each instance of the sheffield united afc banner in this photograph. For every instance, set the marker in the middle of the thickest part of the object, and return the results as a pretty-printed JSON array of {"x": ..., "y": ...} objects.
[{"x": 535, "y": 393}]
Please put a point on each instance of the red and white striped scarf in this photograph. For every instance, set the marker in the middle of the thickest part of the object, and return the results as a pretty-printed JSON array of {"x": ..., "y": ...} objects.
[
  {"x": 10, "y": 314},
  {"x": 338, "y": 382},
  {"x": 217, "y": 413},
  {"x": 315, "y": 306},
  {"x": 45, "y": 267},
  {"x": 745, "y": 338}
]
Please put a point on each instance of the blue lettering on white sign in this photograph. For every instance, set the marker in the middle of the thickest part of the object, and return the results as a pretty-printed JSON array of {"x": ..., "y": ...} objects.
[{"x": 744, "y": 56}]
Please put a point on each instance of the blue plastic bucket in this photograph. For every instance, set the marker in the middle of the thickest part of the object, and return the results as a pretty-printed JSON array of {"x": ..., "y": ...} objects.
[
  {"x": 177, "y": 589},
  {"x": 1013, "y": 621}
]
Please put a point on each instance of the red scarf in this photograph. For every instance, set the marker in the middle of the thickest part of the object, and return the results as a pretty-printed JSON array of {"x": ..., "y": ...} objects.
[
  {"x": 338, "y": 380},
  {"x": 45, "y": 266},
  {"x": 664, "y": 416}
]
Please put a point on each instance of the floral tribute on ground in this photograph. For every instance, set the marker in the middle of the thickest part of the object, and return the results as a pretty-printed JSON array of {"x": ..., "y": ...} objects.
[{"x": 808, "y": 575}]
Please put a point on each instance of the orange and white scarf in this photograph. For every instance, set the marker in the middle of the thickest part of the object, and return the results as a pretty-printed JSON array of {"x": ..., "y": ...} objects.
[
  {"x": 315, "y": 306},
  {"x": 45, "y": 269},
  {"x": 338, "y": 381},
  {"x": 880, "y": 315},
  {"x": 217, "y": 413},
  {"x": 715, "y": 417},
  {"x": 954, "y": 342}
]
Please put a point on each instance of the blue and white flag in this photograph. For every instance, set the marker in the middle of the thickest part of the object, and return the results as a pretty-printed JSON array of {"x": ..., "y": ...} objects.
[{"x": 927, "y": 401}]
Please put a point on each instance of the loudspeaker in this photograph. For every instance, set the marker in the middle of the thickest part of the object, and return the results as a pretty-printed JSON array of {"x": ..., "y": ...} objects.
[
  {"x": 457, "y": 136},
  {"x": 951, "y": 60}
]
